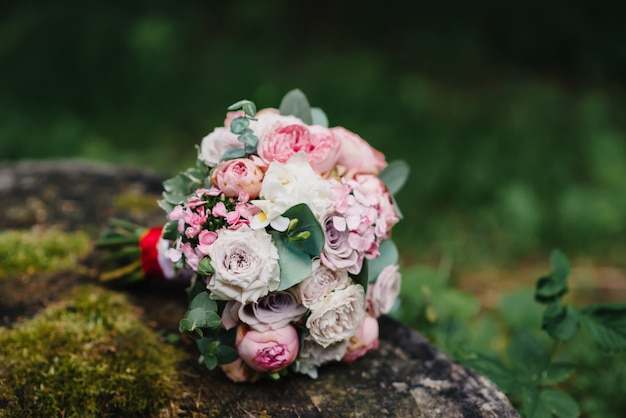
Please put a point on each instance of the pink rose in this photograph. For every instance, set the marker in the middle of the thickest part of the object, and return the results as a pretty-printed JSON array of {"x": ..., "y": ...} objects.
[
  {"x": 364, "y": 340},
  {"x": 382, "y": 295},
  {"x": 237, "y": 176},
  {"x": 268, "y": 351},
  {"x": 356, "y": 155},
  {"x": 239, "y": 372},
  {"x": 284, "y": 141}
]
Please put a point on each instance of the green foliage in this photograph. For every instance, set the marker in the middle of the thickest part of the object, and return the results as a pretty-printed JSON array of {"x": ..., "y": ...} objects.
[
  {"x": 541, "y": 374},
  {"x": 40, "y": 250},
  {"x": 90, "y": 355},
  {"x": 295, "y": 103}
]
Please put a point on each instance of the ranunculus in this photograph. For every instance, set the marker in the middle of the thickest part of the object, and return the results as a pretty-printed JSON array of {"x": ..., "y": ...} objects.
[
  {"x": 215, "y": 144},
  {"x": 364, "y": 340},
  {"x": 382, "y": 295},
  {"x": 238, "y": 176},
  {"x": 286, "y": 185},
  {"x": 240, "y": 372},
  {"x": 337, "y": 252},
  {"x": 321, "y": 282},
  {"x": 312, "y": 355},
  {"x": 273, "y": 311},
  {"x": 356, "y": 155},
  {"x": 268, "y": 351},
  {"x": 317, "y": 142},
  {"x": 245, "y": 263},
  {"x": 337, "y": 316}
]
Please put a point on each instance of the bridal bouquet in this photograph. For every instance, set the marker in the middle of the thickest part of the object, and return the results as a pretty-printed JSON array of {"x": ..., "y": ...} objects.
[{"x": 284, "y": 226}]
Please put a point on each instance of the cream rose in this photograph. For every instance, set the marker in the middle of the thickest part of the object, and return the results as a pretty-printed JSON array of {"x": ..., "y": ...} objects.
[
  {"x": 382, "y": 295},
  {"x": 337, "y": 316},
  {"x": 215, "y": 144},
  {"x": 245, "y": 263},
  {"x": 321, "y": 282},
  {"x": 240, "y": 175},
  {"x": 356, "y": 155}
]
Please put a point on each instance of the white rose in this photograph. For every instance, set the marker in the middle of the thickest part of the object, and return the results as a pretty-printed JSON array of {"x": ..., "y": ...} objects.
[
  {"x": 337, "y": 316},
  {"x": 312, "y": 355},
  {"x": 273, "y": 311},
  {"x": 245, "y": 263},
  {"x": 382, "y": 295},
  {"x": 289, "y": 184},
  {"x": 320, "y": 282},
  {"x": 215, "y": 144}
]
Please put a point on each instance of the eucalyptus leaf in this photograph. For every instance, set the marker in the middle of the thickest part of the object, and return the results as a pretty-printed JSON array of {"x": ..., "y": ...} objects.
[
  {"x": 210, "y": 361},
  {"x": 606, "y": 324},
  {"x": 295, "y": 103},
  {"x": 165, "y": 205},
  {"x": 395, "y": 175},
  {"x": 249, "y": 108},
  {"x": 226, "y": 354},
  {"x": 174, "y": 198},
  {"x": 314, "y": 244},
  {"x": 170, "y": 231},
  {"x": 239, "y": 125},
  {"x": 294, "y": 264},
  {"x": 234, "y": 153},
  {"x": 388, "y": 256},
  {"x": 319, "y": 117},
  {"x": 249, "y": 139},
  {"x": 204, "y": 267},
  {"x": 238, "y": 105},
  {"x": 203, "y": 300}
]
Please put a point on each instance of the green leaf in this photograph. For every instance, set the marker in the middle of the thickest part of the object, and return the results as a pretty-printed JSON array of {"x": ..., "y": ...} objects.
[
  {"x": 388, "y": 256},
  {"x": 204, "y": 267},
  {"x": 559, "y": 403},
  {"x": 395, "y": 175},
  {"x": 294, "y": 264},
  {"x": 493, "y": 368},
  {"x": 606, "y": 324},
  {"x": 534, "y": 405},
  {"x": 165, "y": 205},
  {"x": 319, "y": 117},
  {"x": 203, "y": 300},
  {"x": 250, "y": 139},
  {"x": 295, "y": 103},
  {"x": 527, "y": 354},
  {"x": 226, "y": 354},
  {"x": 249, "y": 108},
  {"x": 555, "y": 373},
  {"x": 560, "y": 322},
  {"x": 201, "y": 318},
  {"x": 233, "y": 153},
  {"x": 170, "y": 231},
  {"x": 307, "y": 222},
  {"x": 185, "y": 325},
  {"x": 554, "y": 286},
  {"x": 363, "y": 277},
  {"x": 519, "y": 309},
  {"x": 210, "y": 361},
  {"x": 174, "y": 198},
  {"x": 239, "y": 125}
]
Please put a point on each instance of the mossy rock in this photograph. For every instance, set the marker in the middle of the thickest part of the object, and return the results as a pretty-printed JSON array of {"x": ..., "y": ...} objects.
[{"x": 70, "y": 347}]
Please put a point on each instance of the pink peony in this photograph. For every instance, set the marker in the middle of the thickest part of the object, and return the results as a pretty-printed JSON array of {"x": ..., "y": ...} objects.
[
  {"x": 382, "y": 295},
  {"x": 238, "y": 176},
  {"x": 364, "y": 340},
  {"x": 356, "y": 155},
  {"x": 268, "y": 351}
]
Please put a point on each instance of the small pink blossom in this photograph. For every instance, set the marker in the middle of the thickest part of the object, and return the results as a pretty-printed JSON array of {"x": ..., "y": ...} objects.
[
  {"x": 205, "y": 239},
  {"x": 268, "y": 351}
]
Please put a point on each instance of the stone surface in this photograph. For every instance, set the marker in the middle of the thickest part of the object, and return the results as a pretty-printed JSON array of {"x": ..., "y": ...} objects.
[{"x": 406, "y": 377}]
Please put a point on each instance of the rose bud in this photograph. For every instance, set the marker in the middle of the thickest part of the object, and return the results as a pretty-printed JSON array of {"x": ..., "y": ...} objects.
[{"x": 268, "y": 351}]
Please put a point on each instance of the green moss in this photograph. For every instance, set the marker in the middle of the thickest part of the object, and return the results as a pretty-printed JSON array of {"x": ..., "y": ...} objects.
[
  {"x": 88, "y": 356},
  {"x": 40, "y": 250}
]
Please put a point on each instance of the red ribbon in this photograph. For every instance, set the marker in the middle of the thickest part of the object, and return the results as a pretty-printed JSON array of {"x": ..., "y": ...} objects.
[{"x": 149, "y": 253}]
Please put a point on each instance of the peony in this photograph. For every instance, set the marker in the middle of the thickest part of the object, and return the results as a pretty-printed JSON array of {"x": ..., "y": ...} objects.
[
  {"x": 286, "y": 185},
  {"x": 268, "y": 351},
  {"x": 245, "y": 262},
  {"x": 382, "y": 294},
  {"x": 312, "y": 355},
  {"x": 337, "y": 252},
  {"x": 215, "y": 144},
  {"x": 237, "y": 176},
  {"x": 364, "y": 340},
  {"x": 337, "y": 316},
  {"x": 356, "y": 155},
  {"x": 321, "y": 282},
  {"x": 273, "y": 311}
]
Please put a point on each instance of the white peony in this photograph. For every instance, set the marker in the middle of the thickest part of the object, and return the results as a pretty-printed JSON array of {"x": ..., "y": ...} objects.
[
  {"x": 321, "y": 282},
  {"x": 245, "y": 263},
  {"x": 286, "y": 185},
  {"x": 215, "y": 144},
  {"x": 312, "y": 355},
  {"x": 337, "y": 316}
]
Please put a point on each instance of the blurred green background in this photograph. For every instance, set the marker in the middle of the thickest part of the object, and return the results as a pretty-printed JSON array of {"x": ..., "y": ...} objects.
[{"x": 511, "y": 114}]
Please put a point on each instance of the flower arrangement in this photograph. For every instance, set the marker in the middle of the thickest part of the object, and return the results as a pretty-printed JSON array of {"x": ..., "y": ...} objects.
[{"x": 284, "y": 226}]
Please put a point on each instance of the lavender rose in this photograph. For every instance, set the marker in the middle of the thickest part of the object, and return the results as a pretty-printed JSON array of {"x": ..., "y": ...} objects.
[
  {"x": 337, "y": 252},
  {"x": 245, "y": 263},
  {"x": 337, "y": 316},
  {"x": 273, "y": 311}
]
